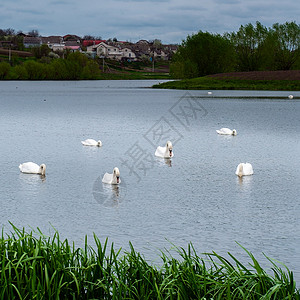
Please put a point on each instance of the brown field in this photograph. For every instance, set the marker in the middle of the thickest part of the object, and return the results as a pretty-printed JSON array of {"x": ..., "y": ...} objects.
[
  {"x": 15, "y": 52},
  {"x": 260, "y": 75}
]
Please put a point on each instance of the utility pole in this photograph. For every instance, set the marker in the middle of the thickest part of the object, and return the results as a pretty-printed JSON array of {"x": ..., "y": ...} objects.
[
  {"x": 153, "y": 65},
  {"x": 102, "y": 56},
  {"x": 9, "y": 54},
  {"x": 153, "y": 62}
]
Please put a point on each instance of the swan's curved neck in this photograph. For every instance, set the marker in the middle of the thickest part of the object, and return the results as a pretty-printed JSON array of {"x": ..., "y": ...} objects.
[
  {"x": 169, "y": 150},
  {"x": 116, "y": 176},
  {"x": 42, "y": 169},
  {"x": 240, "y": 172}
]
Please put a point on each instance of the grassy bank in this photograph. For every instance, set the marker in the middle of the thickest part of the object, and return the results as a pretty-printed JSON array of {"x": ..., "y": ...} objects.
[
  {"x": 114, "y": 70},
  {"x": 37, "y": 267},
  {"x": 133, "y": 75},
  {"x": 210, "y": 83}
]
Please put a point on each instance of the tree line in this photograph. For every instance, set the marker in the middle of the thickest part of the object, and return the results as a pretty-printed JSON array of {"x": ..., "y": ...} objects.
[
  {"x": 251, "y": 48},
  {"x": 73, "y": 67}
]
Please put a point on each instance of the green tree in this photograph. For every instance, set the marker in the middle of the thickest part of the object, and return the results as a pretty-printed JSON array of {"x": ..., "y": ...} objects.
[
  {"x": 4, "y": 69},
  {"x": 58, "y": 70},
  {"x": 78, "y": 58},
  {"x": 73, "y": 69},
  {"x": 202, "y": 54},
  {"x": 35, "y": 70},
  {"x": 286, "y": 39},
  {"x": 45, "y": 50},
  {"x": 41, "y": 51},
  {"x": 91, "y": 70},
  {"x": 19, "y": 72},
  {"x": 249, "y": 42}
]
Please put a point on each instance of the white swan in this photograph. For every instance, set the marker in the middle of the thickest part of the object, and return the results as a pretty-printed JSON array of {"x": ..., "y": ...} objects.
[
  {"x": 291, "y": 96},
  {"x": 113, "y": 178},
  {"x": 244, "y": 169},
  {"x": 91, "y": 142},
  {"x": 33, "y": 168},
  {"x": 226, "y": 131},
  {"x": 165, "y": 152}
]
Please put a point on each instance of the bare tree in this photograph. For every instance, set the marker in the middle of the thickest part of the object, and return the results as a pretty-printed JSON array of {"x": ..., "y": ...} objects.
[
  {"x": 34, "y": 33},
  {"x": 9, "y": 31},
  {"x": 88, "y": 37}
]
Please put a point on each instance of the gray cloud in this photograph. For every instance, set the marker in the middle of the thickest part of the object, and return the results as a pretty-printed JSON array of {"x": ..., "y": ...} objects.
[{"x": 168, "y": 20}]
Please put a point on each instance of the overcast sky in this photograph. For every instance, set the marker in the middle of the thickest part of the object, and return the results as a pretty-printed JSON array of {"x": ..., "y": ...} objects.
[{"x": 131, "y": 20}]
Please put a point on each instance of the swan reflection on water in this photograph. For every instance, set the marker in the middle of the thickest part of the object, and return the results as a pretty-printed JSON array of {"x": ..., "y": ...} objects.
[
  {"x": 109, "y": 195},
  {"x": 168, "y": 162},
  {"x": 164, "y": 161},
  {"x": 31, "y": 185},
  {"x": 245, "y": 182},
  {"x": 112, "y": 190},
  {"x": 32, "y": 178}
]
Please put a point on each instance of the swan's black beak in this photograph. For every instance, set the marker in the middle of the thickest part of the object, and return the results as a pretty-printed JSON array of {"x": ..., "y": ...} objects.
[
  {"x": 170, "y": 151},
  {"x": 118, "y": 179}
]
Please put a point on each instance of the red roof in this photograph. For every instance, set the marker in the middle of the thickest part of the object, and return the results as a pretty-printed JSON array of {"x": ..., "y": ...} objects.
[{"x": 86, "y": 43}]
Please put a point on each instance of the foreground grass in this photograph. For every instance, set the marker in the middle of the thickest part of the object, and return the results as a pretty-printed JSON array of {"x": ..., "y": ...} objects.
[
  {"x": 37, "y": 267},
  {"x": 208, "y": 83}
]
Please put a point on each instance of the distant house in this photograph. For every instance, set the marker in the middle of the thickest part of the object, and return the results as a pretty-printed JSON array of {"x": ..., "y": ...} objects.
[
  {"x": 128, "y": 54},
  {"x": 72, "y": 45},
  {"x": 170, "y": 50},
  {"x": 30, "y": 41},
  {"x": 21, "y": 34},
  {"x": 142, "y": 42},
  {"x": 72, "y": 37},
  {"x": 141, "y": 48},
  {"x": 108, "y": 51},
  {"x": 55, "y": 43},
  {"x": 160, "y": 54},
  {"x": 115, "y": 50},
  {"x": 172, "y": 47}
]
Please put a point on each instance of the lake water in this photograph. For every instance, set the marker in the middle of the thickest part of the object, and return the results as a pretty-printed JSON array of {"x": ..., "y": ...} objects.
[{"x": 196, "y": 197}]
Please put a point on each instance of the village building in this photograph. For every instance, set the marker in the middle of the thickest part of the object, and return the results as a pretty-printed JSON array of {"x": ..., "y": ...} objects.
[
  {"x": 115, "y": 51},
  {"x": 55, "y": 43},
  {"x": 72, "y": 46},
  {"x": 31, "y": 41}
]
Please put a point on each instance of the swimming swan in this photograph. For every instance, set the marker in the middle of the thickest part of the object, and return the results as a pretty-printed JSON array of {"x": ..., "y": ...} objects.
[
  {"x": 226, "y": 131},
  {"x": 244, "y": 169},
  {"x": 165, "y": 152},
  {"x": 91, "y": 142},
  {"x": 113, "y": 178},
  {"x": 32, "y": 168}
]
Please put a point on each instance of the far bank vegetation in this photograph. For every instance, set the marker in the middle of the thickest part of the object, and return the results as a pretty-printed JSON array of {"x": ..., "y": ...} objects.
[{"x": 251, "y": 48}]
